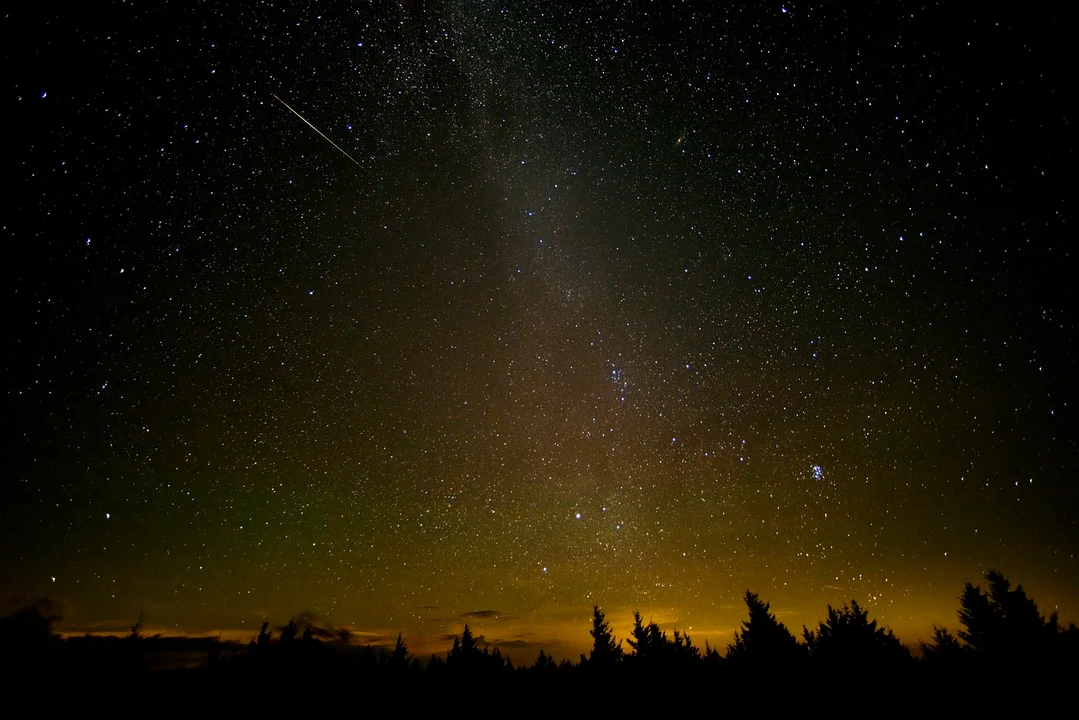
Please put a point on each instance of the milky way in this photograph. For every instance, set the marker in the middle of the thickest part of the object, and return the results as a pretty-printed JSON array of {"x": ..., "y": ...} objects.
[{"x": 633, "y": 305}]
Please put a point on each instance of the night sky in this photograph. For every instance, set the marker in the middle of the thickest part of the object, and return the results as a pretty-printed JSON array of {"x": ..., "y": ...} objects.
[{"x": 522, "y": 308}]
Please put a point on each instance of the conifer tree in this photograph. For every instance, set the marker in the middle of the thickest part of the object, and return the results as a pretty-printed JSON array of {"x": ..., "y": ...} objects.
[
  {"x": 849, "y": 637},
  {"x": 1005, "y": 624},
  {"x": 943, "y": 648},
  {"x": 763, "y": 640},
  {"x": 399, "y": 656},
  {"x": 544, "y": 663},
  {"x": 606, "y": 653},
  {"x": 465, "y": 654},
  {"x": 641, "y": 639}
]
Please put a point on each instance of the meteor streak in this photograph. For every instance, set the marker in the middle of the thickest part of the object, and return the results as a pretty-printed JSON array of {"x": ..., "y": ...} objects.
[{"x": 331, "y": 142}]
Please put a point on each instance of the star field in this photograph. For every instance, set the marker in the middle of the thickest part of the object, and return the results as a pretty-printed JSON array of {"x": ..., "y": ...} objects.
[{"x": 639, "y": 305}]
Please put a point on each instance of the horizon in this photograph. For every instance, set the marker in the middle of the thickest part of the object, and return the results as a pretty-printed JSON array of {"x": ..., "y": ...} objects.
[{"x": 509, "y": 633}]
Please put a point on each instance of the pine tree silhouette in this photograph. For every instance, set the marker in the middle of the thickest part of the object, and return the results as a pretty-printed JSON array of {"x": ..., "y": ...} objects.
[
  {"x": 638, "y": 637},
  {"x": 465, "y": 654},
  {"x": 683, "y": 651},
  {"x": 399, "y": 656},
  {"x": 264, "y": 636},
  {"x": 944, "y": 649},
  {"x": 288, "y": 632},
  {"x": 849, "y": 638},
  {"x": 654, "y": 651},
  {"x": 544, "y": 663},
  {"x": 712, "y": 658},
  {"x": 606, "y": 654},
  {"x": 763, "y": 641},
  {"x": 1004, "y": 625}
]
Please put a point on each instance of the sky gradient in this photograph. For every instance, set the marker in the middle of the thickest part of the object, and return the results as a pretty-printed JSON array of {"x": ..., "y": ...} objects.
[{"x": 415, "y": 314}]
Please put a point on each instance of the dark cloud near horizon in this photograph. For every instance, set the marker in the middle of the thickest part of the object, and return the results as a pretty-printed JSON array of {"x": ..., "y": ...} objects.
[
  {"x": 486, "y": 615},
  {"x": 511, "y": 644}
]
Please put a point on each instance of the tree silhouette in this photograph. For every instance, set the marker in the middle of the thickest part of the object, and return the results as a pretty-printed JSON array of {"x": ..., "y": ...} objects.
[
  {"x": 136, "y": 629},
  {"x": 638, "y": 636},
  {"x": 848, "y": 637},
  {"x": 30, "y": 626},
  {"x": 465, "y": 654},
  {"x": 646, "y": 641},
  {"x": 264, "y": 636},
  {"x": 712, "y": 657},
  {"x": 399, "y": 656},
  {"x": 605, "y": 654},
  {"x": 943, "y": 649},
  {"x": 1003, "y": 641},
  {"x": 288, "y": 632},
  {"x": 133, "y": 653},
  {"x": 544, "y": 663},
  {"x": 27, "y": 642},
  {"x": 498, "y": 661},
  {"x": 436, "y": 665},
  {"x": 468, "y": 641},
  {"x": 763, "y": 641},
  {"x": 1004, "y": 624},
  {"x": 682, "y": 652},
  {"x": 653, "y": 650}
]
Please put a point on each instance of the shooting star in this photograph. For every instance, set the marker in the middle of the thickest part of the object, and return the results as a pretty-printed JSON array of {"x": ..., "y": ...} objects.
[{"x": 331, "y": 142}]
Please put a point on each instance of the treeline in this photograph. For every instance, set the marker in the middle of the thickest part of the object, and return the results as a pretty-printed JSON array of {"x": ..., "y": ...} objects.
[{"x": 1002, "y": 634}]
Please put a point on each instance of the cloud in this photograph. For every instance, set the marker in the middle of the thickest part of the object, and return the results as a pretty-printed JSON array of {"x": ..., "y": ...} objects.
[
  {"x": 486, "y": 615},
  {"x": 511, "y": 644},
  {"x": 100, "y": 627}
]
